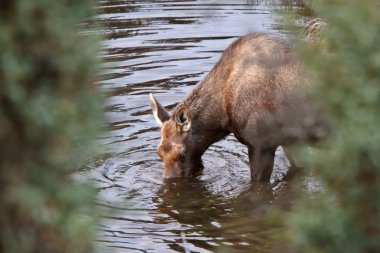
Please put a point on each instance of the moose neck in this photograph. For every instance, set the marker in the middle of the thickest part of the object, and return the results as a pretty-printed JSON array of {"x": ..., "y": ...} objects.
[
  {"x": 207, "y": 103},
  {"x": 208, "y": 113}
]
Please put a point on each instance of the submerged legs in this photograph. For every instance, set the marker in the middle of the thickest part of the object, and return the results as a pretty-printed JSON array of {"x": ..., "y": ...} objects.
[{"x": 261, "y": 162}]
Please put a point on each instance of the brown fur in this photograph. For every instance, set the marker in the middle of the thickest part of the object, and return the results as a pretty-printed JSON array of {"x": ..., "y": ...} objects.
[{"x": 243, "y": 94}]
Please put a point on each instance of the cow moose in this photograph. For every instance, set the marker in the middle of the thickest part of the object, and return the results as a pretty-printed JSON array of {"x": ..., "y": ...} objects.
[{"x": 247, "y": 93}]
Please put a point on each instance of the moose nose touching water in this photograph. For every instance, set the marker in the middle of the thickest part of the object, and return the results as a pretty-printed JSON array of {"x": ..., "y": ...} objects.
[{"x": 246, "y": 93}]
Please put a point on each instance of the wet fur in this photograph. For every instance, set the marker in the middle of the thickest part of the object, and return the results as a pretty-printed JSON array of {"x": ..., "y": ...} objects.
[{"x": 246, "y": 93}]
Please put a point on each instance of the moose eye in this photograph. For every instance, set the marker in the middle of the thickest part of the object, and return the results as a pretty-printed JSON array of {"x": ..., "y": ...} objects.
[{"x": 181, "y": 157}]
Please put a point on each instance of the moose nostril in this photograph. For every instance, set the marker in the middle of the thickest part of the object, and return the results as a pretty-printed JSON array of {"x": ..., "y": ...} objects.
[{"x": 158, "y": 151}]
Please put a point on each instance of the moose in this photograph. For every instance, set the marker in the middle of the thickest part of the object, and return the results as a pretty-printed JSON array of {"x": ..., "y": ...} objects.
[{"x": 247, "y": 93}]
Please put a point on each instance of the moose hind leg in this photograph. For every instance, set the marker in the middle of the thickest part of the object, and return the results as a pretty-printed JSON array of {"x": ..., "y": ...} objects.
[{"x": 261, "y": 162}]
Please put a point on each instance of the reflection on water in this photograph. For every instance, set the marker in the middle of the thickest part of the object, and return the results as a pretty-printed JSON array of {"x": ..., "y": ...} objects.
[
  {"x": 166, "y": 47},
  {"x": 215, "y": 220}
]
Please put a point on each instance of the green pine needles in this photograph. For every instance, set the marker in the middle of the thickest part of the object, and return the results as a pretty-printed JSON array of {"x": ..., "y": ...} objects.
[
  {"x": 48, "y": 111},
  {"x": 346, "y": 69}
]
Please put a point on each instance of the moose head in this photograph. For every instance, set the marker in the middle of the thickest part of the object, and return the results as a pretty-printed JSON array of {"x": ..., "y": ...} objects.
[{"x": 176, "y": 148}]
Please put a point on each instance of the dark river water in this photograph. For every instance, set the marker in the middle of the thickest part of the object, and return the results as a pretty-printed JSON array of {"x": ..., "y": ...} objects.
[{"x": 166, "y": 47}]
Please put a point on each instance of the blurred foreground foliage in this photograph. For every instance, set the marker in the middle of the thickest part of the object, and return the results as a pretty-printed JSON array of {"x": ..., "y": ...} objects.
[
  {"x": 345, "y": 65},
  {"x": 48, "y": 111}
]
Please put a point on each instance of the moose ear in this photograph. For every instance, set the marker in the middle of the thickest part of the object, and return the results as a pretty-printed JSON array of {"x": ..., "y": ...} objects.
[
  {"x": 182, "y": 119},
  {"x": 159, "y": 112}
]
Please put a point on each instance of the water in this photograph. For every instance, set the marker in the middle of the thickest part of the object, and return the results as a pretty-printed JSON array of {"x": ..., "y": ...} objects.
[{"x": 166, "y": 47}]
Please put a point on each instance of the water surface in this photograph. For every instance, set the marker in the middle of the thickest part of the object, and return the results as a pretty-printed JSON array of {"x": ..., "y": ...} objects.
[{"x": 166, "y": 47}]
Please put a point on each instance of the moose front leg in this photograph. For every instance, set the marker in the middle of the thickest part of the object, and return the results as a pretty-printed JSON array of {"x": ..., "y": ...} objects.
[{"x": 261, "y": 162}]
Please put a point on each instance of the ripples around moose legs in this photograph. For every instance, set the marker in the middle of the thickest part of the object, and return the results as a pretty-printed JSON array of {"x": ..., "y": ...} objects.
[{"x": 221, "y": 208}]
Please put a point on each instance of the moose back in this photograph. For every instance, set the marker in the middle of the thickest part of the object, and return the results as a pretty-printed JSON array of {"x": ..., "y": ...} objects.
[{"x": 247, "y": 93}]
